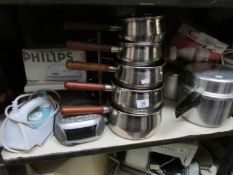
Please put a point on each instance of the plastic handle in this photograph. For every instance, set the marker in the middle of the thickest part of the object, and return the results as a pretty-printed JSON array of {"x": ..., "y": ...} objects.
[
  {"x": 75, "y": 85},
  {"x": 76, "y": 65},
  {"x": 75, "y": 110},
  {"x": 190, "y": 101},
  {"x": 91, "y": 47},
  {"x": 90, "y": 27},
  {"x": 30, "y": 106}
]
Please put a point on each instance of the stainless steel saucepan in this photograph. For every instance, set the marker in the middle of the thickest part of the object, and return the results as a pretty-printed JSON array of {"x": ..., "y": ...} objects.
[
  {"x": 148, "y": 77},
  {"x": 206, "y": 94},
  {"x": 126, "y": 125},
  {"x": 139, "y": 29},
  {"x": 127, "y": 100},
  {"x": 140, "y": 54}
]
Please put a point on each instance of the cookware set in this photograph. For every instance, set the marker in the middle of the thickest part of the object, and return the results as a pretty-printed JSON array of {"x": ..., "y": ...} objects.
[
  {"x": 204, "y": 91},
  {"x": 136, "y": 94}
]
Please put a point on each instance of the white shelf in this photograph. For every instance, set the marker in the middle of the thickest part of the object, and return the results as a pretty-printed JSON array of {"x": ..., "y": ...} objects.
[{"x": 171, "y": 129}]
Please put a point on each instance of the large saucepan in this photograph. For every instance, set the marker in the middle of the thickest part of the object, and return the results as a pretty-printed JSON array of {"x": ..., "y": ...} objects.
[
  {"x": 125, "y": 99},
  {"x": 206, "y": 94},
  {"x": 140, "y": 54},
  {"x": 148, "y": 77},
  {"x": 126, "y": 125},
  {"x": 148, "y": 29}
]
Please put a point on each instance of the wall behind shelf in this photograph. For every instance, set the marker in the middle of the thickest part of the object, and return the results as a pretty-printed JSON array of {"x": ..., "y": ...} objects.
[{"x": 42, "y": 26}]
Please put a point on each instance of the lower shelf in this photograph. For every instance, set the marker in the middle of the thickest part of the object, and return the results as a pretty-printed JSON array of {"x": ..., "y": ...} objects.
[{"x": 170, "y": 130}]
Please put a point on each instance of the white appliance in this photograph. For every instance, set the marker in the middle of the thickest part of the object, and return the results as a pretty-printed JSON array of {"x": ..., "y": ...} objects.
[
  {"x": 28, "y": 124},
  {"x": 184, "y": 151},
  {"x": 140, "y": 159}
]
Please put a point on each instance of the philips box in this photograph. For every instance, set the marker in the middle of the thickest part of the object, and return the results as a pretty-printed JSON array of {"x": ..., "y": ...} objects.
[{"x": 46, "y": 68}]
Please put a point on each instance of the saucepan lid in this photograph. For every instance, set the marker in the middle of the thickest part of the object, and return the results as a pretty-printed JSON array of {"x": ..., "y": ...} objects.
[{"x": 209, "y": 78}]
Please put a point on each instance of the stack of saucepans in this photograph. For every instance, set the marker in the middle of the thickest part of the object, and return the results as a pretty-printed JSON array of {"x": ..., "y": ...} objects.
[{"x": 135, "y": 97}]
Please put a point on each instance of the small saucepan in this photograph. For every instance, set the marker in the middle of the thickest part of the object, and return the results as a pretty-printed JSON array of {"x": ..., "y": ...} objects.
[
  {"x": 148, "y": 77},
  {"x": 126, "y": 125},
  {"x": 127, "y": 100},
  {"x": 137, "y": 54},
  {"x": 137, "y": 29}
]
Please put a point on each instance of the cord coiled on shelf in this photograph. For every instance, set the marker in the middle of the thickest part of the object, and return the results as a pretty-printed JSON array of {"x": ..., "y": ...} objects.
[{"x": 14, "y": 108}]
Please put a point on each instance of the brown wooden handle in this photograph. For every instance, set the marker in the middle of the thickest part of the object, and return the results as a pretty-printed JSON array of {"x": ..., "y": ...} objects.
[
  {"x": 76, "y": 65},
  {"x": 75, "y": 110},
  {"x": 89, "y": 46},
  {"x": 75, "y": 85},
  {"x": 84, "y": 26}
]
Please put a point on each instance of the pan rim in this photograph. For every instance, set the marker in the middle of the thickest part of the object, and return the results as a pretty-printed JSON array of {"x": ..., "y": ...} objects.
[
  {"x": 144, "y": 18},
  {"x": 159, "y": 63},
  {"x": 135, "y": 114}
]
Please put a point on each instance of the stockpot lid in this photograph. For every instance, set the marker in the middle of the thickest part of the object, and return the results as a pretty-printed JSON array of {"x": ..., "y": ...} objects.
[{"x": 209, "y": 79}]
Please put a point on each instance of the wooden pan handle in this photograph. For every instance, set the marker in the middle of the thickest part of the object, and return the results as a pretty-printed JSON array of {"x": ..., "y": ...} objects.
[
  {"x": 75, "y": 85},
  {"x": 85, "y": 26},
  {"x": 89, "y": 46},
  {"x": 88, "y": 109},
  {"x": 76, "y": 65}
]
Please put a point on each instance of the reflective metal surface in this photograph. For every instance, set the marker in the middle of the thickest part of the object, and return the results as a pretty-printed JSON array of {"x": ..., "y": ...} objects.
[
  {"x": 140, "y": 77},
  {"x": 171, "y": 85},
  {"x": 140, "y": 101},
  {"x": 149, "y": 29},
  {"x": 211, "y": 112},
  {"x": 140, "y": 54},
  {"x": 134, "y": 126},
  {"x": 211, "y": 79}
]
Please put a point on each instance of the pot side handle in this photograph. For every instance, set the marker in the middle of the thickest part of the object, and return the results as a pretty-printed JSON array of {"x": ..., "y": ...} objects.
[
  {"x": 76, "y": 65},
  {"x": 87, "y": 46},
  {"x": 88, "y": 109},
  {"x": 190, "y": 101},
  {"x": 75, "y": 85}
]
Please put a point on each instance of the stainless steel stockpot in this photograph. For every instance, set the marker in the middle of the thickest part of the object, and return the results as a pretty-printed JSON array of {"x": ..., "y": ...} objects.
[
  {"x": 206, "y": 94},
  {"x": 126, "y": 125},
  {"x": 135, "y": 77},
  {"x": 128, "y": 100},
  {"x": 141, "y": 54},
  {"x": 136, "y": 29},
  {"x": 171, "y": 82}
]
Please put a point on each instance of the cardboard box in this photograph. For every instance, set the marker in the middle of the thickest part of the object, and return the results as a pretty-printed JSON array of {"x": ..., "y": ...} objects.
[
  {"x": 85, "y": 165},
  {"x": 45, "y": 68}
]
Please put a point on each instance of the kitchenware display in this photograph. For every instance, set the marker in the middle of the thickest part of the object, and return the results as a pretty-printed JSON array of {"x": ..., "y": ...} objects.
[
  {"x": 206, "y": 96},
  {"x": 126, "y": 125},
  {"x": 78, "y": 129},
  {"x": 128, "y": 100},
  {"x": 136, "y": 29},
  {"x": 137, "y": 54},
  {"x": 137, "y": 98},
  {"x": 171, "y": 83},
  {"x": 148, "y": 77}
]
